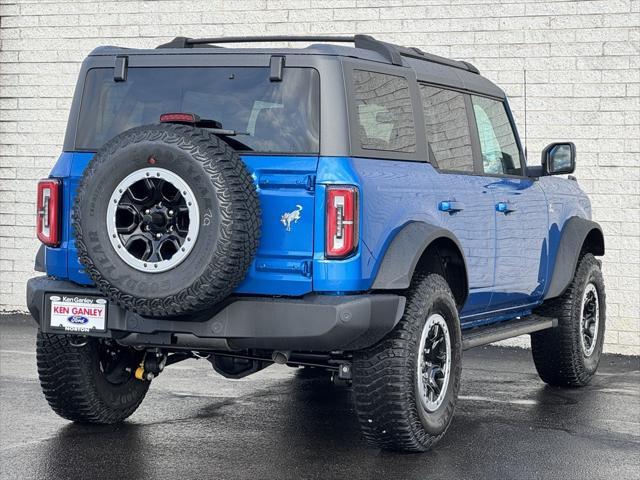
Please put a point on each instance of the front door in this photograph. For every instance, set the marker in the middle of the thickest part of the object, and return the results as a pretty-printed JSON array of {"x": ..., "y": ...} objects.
[
  {"x": 521, "y": 247},
  {"x": 520, "y": 210}
]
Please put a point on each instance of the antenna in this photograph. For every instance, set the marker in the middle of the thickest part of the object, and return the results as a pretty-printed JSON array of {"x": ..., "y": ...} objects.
[{"x": 525, "y": 113}]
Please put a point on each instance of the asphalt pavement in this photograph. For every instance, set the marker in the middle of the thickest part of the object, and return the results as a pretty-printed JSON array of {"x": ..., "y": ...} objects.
[{"x": 283, "y": 423}]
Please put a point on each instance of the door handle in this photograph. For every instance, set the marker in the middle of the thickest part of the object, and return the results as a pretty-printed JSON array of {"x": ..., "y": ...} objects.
[
  {"x": 505, "y": 207},
  {"x": 450, "y": 206}
]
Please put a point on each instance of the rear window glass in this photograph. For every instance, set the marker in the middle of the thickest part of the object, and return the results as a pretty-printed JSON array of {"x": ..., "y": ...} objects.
[
  {"x": 274, "y": 117},
  {"x": 384, "y": 113}
]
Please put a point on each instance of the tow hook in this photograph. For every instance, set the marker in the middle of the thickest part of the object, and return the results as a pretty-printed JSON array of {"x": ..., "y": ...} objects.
[{"x": 152, "y": 364}]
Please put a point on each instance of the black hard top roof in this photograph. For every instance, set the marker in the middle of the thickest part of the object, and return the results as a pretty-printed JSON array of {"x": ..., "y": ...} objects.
[{"x": 428, "y": 67}]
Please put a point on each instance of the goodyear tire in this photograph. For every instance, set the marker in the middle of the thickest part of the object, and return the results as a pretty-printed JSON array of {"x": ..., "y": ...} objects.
[
  {"x": 166, "y": 219},
  {"x": 405, "y": 388},
  {"x": 568, "y": 356},
  {"x": 91, "y": 382}
]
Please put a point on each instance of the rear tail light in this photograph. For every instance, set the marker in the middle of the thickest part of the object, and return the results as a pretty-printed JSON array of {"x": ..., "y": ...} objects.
[
  {"x": 48, "y": 211},
  {"x": 342, "y": 221}
]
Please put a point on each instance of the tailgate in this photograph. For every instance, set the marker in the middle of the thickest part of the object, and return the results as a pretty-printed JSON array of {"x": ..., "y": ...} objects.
[{"x": 286, "y": 188}]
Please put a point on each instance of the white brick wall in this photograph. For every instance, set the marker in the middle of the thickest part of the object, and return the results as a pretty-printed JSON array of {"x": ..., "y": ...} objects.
[{"x": 582, "y": 59}]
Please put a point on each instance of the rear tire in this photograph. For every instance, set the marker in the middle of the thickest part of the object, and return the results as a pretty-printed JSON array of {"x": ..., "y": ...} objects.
[
  {"x": 397, "y": 406},
  {"x": 80, "y": 385},
  {"x": 569, "y": 354}
]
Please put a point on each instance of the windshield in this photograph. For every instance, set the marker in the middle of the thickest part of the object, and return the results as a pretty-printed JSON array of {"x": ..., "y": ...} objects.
[{"x": 270, "y": 117}]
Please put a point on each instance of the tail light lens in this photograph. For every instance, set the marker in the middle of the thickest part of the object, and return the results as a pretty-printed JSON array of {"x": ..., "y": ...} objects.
[
  {"x": 179, "y": 118},
  {"x": 342, "y": 221},
  {"x": 48, "y": 213}
]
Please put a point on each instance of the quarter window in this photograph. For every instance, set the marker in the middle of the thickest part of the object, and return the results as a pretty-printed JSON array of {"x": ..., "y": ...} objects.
[
  {"x": 500, "y": 153},
  {"x": 447, "y": 128},
  {"x": 384, "y": 113}
]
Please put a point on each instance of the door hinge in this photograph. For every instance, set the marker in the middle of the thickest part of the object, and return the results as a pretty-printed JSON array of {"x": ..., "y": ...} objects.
[
  {"x": 120, "y": 68},
  {"x": 307, "y": 268},
  {"x": 310, "y": 183}
]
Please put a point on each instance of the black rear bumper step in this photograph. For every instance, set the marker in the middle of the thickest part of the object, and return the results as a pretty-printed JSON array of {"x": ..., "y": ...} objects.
[
  {"x": 478, "y": 336},
  {"x": 311, "y": 323}
]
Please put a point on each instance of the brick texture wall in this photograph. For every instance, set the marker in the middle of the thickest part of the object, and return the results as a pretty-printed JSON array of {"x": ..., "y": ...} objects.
[{"x": 582, "y": 60}]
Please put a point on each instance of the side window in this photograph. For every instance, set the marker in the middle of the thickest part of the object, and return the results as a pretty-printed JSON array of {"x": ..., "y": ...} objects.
[
  {"x": 500, "y": 154},
  {"x": 447, "y": 126},
  {"x": 384, "y": 113}
]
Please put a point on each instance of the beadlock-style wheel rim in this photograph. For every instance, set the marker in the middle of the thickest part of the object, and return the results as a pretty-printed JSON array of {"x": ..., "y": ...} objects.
[
  {"x": 434, "y": 362},
  {"x": 153, "y": 220},
  {"x": 589, "y": 319}
]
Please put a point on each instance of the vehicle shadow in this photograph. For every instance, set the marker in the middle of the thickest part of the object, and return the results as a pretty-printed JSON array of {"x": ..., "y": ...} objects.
[
  {"x": 318, "y": 436},
  {"x": 93, "y": 451}
]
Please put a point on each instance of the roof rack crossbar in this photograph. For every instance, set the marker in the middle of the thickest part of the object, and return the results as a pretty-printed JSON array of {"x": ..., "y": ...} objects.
[
  {"x": 393, "y": 53},
  {"x": 184, "y": 42}
]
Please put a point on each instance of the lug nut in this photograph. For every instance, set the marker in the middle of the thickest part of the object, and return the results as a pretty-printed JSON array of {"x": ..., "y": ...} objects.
[
  {"x": 158, "y": 235},
  {"x": 170, "y": 212},
  {"x": 147, "y": 211}
]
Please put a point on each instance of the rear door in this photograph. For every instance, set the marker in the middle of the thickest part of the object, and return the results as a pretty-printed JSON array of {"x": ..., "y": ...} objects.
[
  {"x": 464, "y": 201},
  {"x": 520, "y": 209}
]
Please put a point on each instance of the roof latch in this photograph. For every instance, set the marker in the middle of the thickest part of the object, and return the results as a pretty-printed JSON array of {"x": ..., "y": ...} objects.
[
  {"x": 120, "y": 68},
  {"x": 276, "y": 65}
]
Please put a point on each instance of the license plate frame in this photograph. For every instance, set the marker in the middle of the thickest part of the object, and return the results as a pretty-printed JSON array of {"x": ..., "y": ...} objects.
[{"x": 76, "y": 314}]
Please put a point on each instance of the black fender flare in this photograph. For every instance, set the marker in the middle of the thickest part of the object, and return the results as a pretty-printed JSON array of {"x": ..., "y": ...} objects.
[
  {"x": 404, "y": 253},
  {"x": 575, "y": 233}
]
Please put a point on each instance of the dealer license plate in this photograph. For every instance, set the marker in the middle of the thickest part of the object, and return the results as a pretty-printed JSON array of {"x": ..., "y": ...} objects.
[{"x": 78, "y": 314}]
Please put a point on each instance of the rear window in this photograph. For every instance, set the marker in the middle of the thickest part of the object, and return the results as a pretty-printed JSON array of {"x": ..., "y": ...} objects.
[{"x": 275, "y": 117}]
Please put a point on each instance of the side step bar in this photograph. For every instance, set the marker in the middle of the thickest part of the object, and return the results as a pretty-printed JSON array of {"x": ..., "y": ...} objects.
[{"x": 474, "y": 337}]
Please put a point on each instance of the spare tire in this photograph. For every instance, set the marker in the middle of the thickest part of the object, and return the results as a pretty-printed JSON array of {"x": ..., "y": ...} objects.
[{"x": 166, "y": 219}]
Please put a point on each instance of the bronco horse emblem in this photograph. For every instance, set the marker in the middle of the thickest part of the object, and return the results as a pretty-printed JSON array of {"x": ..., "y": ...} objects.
[{"x": 291, "y": 217}]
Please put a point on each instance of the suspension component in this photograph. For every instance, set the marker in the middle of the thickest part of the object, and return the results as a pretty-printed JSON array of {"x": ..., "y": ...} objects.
[
  {"x": 152, "y": 364},
  {"x": 280, "y": 357}
]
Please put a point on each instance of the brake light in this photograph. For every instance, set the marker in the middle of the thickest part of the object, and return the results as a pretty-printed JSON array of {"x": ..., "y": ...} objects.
[
  {"x": 179, "y": 118},
  {"x": 342, "y": 221},
  {"x": 48, "y": 211}
]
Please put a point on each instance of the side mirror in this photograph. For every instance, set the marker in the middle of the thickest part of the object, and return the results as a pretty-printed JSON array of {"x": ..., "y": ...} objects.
[{"x": 559, "y": 158}]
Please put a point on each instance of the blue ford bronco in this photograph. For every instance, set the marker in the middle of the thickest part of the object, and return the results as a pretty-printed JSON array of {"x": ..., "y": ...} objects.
[{"x": 364, "y": 209}]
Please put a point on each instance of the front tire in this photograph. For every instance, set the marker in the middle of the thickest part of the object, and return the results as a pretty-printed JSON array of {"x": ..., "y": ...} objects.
[
  {"x": 406, "y": 387},
  {"x": 569, "y": 354},
  {"x": 92, "y": 383}
]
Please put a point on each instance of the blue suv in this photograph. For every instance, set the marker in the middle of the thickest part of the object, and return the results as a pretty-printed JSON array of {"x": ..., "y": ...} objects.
[{"x": 364, "y": 210}]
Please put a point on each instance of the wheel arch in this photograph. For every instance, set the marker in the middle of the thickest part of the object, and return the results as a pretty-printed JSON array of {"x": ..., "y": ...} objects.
[
  {"x": 579, "y": 236},
  {"x": 424, "y": 247}
]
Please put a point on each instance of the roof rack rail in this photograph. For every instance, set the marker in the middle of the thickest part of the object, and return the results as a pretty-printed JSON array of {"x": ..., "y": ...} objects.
[{"x": 393, "y": 53}]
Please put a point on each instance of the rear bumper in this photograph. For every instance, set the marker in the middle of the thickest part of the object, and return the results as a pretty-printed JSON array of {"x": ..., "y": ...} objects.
[{"x": 311, "y": 323}]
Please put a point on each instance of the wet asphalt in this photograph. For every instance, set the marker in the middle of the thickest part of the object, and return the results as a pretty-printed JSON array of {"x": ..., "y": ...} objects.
[{"x": 284, "y": 423}]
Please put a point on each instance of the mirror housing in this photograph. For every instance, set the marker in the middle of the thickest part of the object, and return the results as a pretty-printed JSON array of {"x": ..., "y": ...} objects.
[{"x": 559, "y": 158}]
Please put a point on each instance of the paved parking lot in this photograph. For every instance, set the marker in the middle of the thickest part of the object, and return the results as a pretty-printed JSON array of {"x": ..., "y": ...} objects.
[{"x": 283, "y": 424}]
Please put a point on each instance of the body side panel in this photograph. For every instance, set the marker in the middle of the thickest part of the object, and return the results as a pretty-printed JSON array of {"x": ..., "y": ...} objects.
[{"x": 395, "y": 194}]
